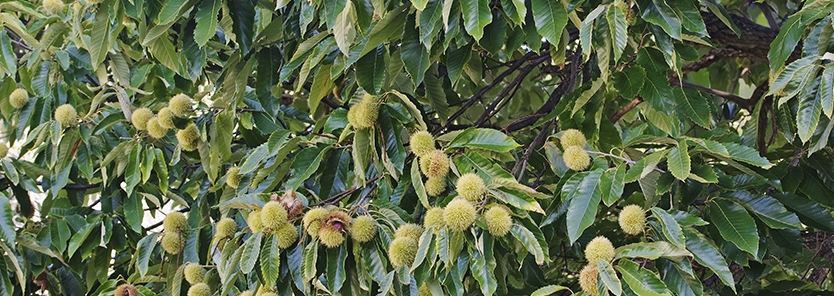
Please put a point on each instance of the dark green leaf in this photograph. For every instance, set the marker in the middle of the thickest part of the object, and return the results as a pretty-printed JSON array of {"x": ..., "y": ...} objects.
[
  {"x": 484, "y": 138},
  {"x": 414, "y": 54},
  {"x": 706, "y": 254},
  {"x": 641, "y": 280},
  {"x": 735, "y": 225},
  {"x": 370, "y": 70},
  {"x": 476, "y": 16},
  {"x": 583, "y": 204},
  {"x": 551, "y": 18},
  {"x": 652, "y": 250},
  {"x": 251, "y": 250}
]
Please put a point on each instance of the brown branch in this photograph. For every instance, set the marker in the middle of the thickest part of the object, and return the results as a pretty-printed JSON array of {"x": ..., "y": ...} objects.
[
  {"x": 712, "y": 56},
  {"x": 477, "y": 96},
  {"x": 521, "y": 165},
  {"x": 631, "y": 105},
  {"x": 565, "y": 87},
  {"x": 499, "y": 101},
  {"x": 341, "y": 195}
]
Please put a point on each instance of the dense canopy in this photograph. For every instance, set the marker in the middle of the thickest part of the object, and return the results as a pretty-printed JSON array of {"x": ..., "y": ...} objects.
[{"x": 416, "y": 147}]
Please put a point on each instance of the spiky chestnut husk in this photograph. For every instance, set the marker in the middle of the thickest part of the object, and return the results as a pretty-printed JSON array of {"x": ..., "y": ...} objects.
[
  {"x": 172, "y": 243},
  {"x": 246, "y": 293},
  {"x": 363, "y": 228},
  {"x": 264, "y": 291},
  {"x": 313, "y": 220},
  {"x": 364, "y": 114},
  {"x": 459, "y": 214},
  {"x": 434, "y": 219},
  {"x": 126, "y": 290},
  {"x": 180, "y": 105},
  {"x": 226, "y": 227},
  {"x": 155, "y": 130},
  {"x": 4, "y": 150},
  {"x": 273, "y": 215},
  {"x": 254, "y": 221},
  {"x": 402, "y": 251},
  {"x": 66, "y": 115},
  {"x": 193, "y": 273},
  {"x": 422, "y": 143},
  {"x": 632, "y": 219},
  {"x": 573, "y": 137},
  {"x": 189, "y": 138},
  {"x": 330, "y": 236},
  {"x": 588, "y": 278},
  {"x": 175, "y": 222},
  {"x": 599, "y": 248},
  {"x": 199, "y": 289},
  {"x": 423, "y": 290},
  {"x": 411, "y": 230},
  {"x": 166, "y": 118},
  {"x": 338, "y": 219},
  {"x": 233, "y": 177},
  {"x": 287, "y": 235},
  {"x": 435, "y": 186},
  {"x": 19, "y": 97},
  {"x": 435, "y": 164},
  {"x": 576, "y": 158},
  {"x": 471, "y": 187},
  {"x": 140, "y": 118},
  {"x": 94, "y": 1},
  {"x": 268, "y": 294},
  {"x": 498, "y": 221}
]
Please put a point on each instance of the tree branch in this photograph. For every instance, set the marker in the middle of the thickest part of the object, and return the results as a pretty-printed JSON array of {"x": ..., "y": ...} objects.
[
  {"x": 341, "y": 195},
  {"x": 631, "y": 105},
  {"x": 741, "y": 102}
]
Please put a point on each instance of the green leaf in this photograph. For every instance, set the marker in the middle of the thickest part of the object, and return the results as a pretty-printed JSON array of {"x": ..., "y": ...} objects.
[
  {"x": 7, "y": 229},
  {"x": 611, "y": 184},
  {"x": 484, "y": 138},
  {"x": 671, "y": 229},
  {"x": 678, "y": 161},
  {"x": 8, "y": 60},
  {"x": 735, "y": 225},
  {"x": 430, "y": 22},
  {"x": 827, "y": 90},
  {"x": 79, "y": 237},
  {"x": 661, "y": 14},
  {"x": 170, "y": 11},
  {"x": 370, "y": 70},
  {"x": 656, "y": 90},
  {"x": 609, "y": 277},
  {"x": 144, "y": 250},
  {"x": 618, "y": 30},
  {"x": 419, "y": 4},
  {"x": 768, "y": 209},
  {"x": 641, "y": 280},
  {"x": 344, "y": 31},
  {"x": 99, "y": 42},
  {"x": 793, "y": 78},
  {"x": 586, "y": 31},
  {"x": 390, "y": 27},
  {"x": 336, "y": 274},
  {"x": 690, "y": 14},
  {"x": 436, "y": 96},
  {"x": 694, "y": 105},
  {"x": 791, "y": 32},
  {"x": 251, "y": 250},
  {"x": 808, "y": 113},
  {"x": 746, "y": 154},
  {"x": 528, "y": 240},
  {"x": 206, "y": 19},
  {"x": 722, "y": 14},
  {"x": 476, "y": 16},
  {"x": 16, "y": 264},
  {"x": 518, "y": 199},
  {"x": 483, "y": 265},
  {"x": 414, "y": 54},
  {"x": 548, "y": 290},
  {"x": 243, "y": 16},
  {"x": 652, "y": 250},
  {"x": 583, "y": 204},
  {"x": 515, "y": 10},
  {"x": 412, "y": 109},
  {"x": 706, "y": 254},
  {"x": 270, "y": 260},
  {"x": 551, "y": 18},
  {"x": 629, "y": 81},
  {"x": 305, "y": 164},
  {"x": 308, "y": 260},
  {"x": 424, "y": 245}
]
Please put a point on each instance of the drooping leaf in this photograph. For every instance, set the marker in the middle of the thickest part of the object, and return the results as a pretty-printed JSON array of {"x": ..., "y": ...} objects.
[
  {"x": 583, "y": 204},
  {"x": 476, "y": 15},
  {"x": 551, "y": 18}
]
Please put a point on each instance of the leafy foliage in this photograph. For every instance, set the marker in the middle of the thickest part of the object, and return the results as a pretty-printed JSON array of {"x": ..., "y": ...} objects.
[{"x": 714, "y": 125}]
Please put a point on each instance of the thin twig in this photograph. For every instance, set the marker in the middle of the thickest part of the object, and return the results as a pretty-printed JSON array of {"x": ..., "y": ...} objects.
[
  {"x": 631, "y": 105},
  {"x": 338, "y": 197},
  {"x": 521, "y": 165}
]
